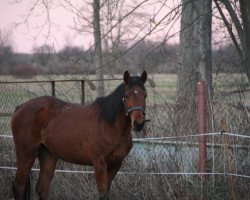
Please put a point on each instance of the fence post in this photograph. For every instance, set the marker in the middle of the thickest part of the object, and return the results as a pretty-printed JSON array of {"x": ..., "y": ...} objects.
[
  {"x": 201, "y": 113},
  {"x": 53, "y": 91},
  {"x": 83, "y": 92}
]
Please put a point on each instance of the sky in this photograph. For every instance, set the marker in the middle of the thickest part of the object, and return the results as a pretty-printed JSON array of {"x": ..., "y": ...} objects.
[
  {"x": 29, "y": 35},
  {"x": 26, "y": 36}
]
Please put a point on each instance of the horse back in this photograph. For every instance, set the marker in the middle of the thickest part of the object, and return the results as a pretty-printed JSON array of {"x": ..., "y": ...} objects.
[{"x": 35, "y": 114}]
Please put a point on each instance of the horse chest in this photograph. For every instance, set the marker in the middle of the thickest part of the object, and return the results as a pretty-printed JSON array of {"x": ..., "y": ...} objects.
[{"x": 120, "y": 151}]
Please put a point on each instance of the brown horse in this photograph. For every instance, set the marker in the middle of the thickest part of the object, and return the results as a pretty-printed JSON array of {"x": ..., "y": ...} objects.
[{"x": 98, "y": 134}]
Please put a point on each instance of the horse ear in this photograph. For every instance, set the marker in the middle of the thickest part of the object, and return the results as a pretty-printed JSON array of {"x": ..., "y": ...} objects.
[
  {"x": 144, "y": 76},
  {"x": 126, "y": 77}
]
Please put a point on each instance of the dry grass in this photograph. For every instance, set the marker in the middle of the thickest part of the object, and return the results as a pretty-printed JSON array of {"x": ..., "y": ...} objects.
[{"x": 171, "y": 156}]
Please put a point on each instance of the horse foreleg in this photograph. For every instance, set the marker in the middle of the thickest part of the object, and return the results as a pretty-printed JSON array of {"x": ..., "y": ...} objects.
[
  {"x": 100, "y": 168},
  {"x": 47, "y": 163},
  {"x": 112, "y": 171}
]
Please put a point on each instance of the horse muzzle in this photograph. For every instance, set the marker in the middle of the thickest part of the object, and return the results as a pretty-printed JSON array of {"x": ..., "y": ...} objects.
[{"x": 137, "y": 126}]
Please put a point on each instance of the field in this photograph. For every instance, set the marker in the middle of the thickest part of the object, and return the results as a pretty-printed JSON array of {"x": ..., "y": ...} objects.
[{"x": 153, "y": 170}]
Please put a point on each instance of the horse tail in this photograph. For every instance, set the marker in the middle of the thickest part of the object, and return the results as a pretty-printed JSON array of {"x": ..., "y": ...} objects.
[
  {"x": 14, "y": 189},
  {"x": 17, "y": 107}
]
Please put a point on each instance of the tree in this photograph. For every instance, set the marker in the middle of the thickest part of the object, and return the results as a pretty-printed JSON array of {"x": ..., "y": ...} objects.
[
  {"x": 6, "y": 52},
  {"x": 238, "y": 26},
  {"x": 195, "y": 53},
  {"x": 98, "y": 46},
  {"x": 113, "y": 11},
  {"x": 43, "y": 54}
]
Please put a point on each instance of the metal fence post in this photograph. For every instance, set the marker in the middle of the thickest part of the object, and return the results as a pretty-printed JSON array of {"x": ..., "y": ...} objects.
[
  {"x": 201, "y": 113},
  {"x": 83, "y": 92},
  {"x": 53, "y": 91}
]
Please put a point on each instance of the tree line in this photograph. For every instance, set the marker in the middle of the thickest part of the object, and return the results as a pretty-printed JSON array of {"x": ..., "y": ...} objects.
[{"x": 152, "y": 56}]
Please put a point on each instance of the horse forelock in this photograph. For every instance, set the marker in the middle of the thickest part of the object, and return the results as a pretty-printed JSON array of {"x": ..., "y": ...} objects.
[{"x": 136, "y": 81}]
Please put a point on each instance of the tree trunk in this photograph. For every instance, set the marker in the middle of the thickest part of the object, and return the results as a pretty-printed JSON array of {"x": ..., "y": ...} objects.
[
  {"x": 189, "y": 46},
  {"x": 245, "y": 14},
  {"x": 98, "y": 47},
  {"x": 205, "y": 33},
  {"x": 195, "y": 57}
]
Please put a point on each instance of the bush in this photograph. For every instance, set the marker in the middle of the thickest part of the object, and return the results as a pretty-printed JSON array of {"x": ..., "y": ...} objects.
[{"x": 24, "y": 71}]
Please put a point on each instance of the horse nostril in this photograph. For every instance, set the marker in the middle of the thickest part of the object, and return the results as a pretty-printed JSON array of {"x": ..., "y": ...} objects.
[{"x": 138, "y": 126}]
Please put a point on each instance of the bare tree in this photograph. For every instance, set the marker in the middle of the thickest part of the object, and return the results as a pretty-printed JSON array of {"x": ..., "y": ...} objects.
[
  {"x": 113, "y": 12},
  {"x": 195, "y": 53},
  {"x": 6, "y": 51},
  {"x": 238, "y": 26},
  {"x": 98, "y": 46},
  {"x": 43, "y": 53}
]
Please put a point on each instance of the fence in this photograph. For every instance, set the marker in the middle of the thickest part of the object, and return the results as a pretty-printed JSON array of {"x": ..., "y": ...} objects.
[{"x": 158, "y": 167}]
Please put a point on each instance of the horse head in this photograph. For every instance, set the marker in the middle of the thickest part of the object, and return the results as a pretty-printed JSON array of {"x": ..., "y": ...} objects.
[{"x": 135, "y": 99}]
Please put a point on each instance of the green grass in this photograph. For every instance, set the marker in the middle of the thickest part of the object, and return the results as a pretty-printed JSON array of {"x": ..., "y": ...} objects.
[
  {"x": 164, "y": 92},
  {"x": 10, "y": 99}
]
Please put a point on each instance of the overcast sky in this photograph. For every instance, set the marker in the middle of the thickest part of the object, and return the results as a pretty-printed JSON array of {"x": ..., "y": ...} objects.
[
  {"x": 25, "y": 37},
  {"x": 28, "y": 35}
]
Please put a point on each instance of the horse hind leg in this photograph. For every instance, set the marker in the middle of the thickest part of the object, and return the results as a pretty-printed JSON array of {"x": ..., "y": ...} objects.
[
  {"x": 26, "y": 192},
  {"x": 25, "y": 161},
  {"x": 47, "y": 163}
]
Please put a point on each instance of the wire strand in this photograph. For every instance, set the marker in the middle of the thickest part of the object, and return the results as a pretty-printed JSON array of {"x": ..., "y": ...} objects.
[
  {"x": 137, "y": 173},
  {"x": 175, "y": 137}
]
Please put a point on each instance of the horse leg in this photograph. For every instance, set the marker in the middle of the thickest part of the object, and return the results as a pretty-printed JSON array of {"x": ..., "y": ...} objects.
[
  {"x": 100, "y": 168},
  {"x": 25, "y": 161},
  {"x": 47, "y": 163},
  {"x": 112, "y": 171}
]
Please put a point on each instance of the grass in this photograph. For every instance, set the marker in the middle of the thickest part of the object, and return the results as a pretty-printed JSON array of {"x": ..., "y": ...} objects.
[
  {"x": 70, "y": 91},
  {"x": 163, "y": 92},
  {"x": 142, "y": 159}
]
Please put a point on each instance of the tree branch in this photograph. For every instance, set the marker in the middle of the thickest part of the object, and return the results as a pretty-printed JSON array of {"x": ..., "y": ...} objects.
[
  {"x": 229, "y": 29},
  {"x": 234, "y": 18}
]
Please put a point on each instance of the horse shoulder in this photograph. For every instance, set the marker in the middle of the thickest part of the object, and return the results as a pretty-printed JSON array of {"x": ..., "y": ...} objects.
[{"x": 122, "y": 148}]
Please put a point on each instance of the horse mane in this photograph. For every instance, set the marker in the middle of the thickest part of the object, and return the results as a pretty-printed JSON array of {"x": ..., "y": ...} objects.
[{"x": 109, "y": 106}]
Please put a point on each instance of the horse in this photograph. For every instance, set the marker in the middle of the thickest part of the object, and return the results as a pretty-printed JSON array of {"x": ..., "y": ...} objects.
[{"x": 97, "y": 134}]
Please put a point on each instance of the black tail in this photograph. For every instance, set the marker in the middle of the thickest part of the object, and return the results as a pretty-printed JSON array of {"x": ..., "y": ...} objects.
[
  {"x": 14, "y": 189},
  {"x": 17, "y": 107}
]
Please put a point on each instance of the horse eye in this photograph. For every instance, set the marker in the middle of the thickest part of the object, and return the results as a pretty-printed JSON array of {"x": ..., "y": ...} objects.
[{"x": 145, "y": 96}]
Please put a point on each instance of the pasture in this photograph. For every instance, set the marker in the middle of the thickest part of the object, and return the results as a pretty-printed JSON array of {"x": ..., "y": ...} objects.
[{"x": 154, "y": 169}]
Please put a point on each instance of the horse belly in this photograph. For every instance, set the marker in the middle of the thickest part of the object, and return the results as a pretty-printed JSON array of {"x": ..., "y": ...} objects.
[{"x": 68, "y": 144}]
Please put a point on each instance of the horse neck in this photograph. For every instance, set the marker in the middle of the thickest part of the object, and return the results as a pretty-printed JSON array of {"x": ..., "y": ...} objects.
[{"x": 123, "y": 122}]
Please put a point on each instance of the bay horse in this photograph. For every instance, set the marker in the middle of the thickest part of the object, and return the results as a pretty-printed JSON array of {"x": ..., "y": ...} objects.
[{"x": 98, "y": 134}]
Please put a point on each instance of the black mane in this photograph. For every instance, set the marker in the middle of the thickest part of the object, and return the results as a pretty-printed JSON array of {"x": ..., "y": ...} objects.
[{"x": 111, "y": 105}]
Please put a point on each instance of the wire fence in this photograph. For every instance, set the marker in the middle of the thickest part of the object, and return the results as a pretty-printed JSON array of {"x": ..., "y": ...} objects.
[
  {"x": 156, "y": 160},
  {"x": 164, "y": 165}
]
